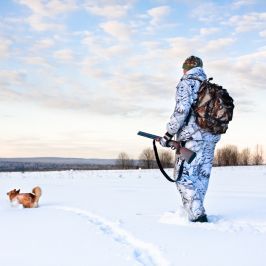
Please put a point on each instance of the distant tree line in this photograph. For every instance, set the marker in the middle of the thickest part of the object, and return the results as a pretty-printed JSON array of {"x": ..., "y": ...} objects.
[
  {"x": 231, "y": 155},
  {"x": 226, "y": 156},
  {"x": 10, "y": 166},
  {"x": 146, "y": 160}
]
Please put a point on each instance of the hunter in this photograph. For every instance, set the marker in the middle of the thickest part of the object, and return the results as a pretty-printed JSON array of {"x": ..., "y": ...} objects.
[{"x": 191, "y": 179}]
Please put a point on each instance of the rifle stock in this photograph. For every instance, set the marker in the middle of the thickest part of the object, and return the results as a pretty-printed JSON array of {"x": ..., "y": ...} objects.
[{"x": 187, "y": 154}]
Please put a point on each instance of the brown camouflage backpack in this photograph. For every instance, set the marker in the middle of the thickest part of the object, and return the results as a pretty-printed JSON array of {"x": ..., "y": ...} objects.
[{"x": 213, "y": 108}]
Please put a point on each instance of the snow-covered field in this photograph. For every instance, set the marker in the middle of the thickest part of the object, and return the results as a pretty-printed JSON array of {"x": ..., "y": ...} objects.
[{"x": 120, "y": 218}]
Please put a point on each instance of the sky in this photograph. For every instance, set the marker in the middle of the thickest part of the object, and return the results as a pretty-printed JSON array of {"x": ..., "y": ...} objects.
[{"x": 80, "y": 78}]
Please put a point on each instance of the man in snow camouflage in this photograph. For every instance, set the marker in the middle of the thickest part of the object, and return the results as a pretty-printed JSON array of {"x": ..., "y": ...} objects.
[{"x": 191, "y": 179}]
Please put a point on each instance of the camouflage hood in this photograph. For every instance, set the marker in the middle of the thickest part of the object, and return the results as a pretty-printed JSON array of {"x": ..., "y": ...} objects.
[{"x": 196, "y": 72}]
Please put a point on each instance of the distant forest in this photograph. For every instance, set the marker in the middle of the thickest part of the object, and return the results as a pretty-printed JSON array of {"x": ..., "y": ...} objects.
[
  {"x": 53, "y": 164},
  {"x": 229, "y": 155}
]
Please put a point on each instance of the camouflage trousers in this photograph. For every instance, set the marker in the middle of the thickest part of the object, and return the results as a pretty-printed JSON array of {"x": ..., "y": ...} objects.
[{"x": 192, "y": 179}]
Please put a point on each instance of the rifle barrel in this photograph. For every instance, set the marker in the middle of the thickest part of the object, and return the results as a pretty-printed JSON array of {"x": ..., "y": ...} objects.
[{"x": 148, "y": 135}]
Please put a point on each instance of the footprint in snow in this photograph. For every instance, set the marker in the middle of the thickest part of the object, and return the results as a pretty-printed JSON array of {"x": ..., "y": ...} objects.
[{"x": 147, "y": 254}]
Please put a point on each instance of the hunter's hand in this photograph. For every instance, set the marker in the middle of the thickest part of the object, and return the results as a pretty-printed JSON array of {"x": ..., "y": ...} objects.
[{"x": 165, "y": 139}]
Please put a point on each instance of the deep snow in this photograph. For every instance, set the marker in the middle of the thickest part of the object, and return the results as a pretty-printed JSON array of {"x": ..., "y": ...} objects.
[{"x": 133, "y": 218}]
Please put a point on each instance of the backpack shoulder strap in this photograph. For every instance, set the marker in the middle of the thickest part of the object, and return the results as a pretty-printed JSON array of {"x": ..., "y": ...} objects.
[{"x": 190, "y": 110}]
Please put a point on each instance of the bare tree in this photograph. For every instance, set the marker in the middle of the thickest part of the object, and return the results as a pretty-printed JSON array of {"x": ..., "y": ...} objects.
[
  {"x": 258, "y": 155},
  {"x": 227, "y": 156},
  {"x": 217, "y": 158},
  {"x": 123, "y": 161},
  {"x": 147, "y": 158},
  {"x": 245, "y": 157},
  {"x": 166, "y": 158}
]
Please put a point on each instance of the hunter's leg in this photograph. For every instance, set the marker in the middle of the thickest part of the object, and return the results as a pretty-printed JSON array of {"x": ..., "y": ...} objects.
[{"x": 191, "y": 187}]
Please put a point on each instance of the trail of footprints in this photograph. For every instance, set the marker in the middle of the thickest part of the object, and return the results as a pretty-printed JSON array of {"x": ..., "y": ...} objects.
[
  {"x": 144, "y": 253},
  {"x": 148, "y": 254}
]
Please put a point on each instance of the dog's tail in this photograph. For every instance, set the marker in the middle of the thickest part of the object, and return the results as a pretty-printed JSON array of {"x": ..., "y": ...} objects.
[{"x": 37, "y": 192}]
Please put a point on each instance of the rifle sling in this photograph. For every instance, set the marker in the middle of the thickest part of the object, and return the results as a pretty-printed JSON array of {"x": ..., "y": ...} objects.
[{"x": 160, "y": 165}]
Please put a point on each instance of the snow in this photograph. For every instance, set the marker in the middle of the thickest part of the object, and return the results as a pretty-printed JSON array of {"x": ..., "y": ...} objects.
[{"x": 133, "y": 217}]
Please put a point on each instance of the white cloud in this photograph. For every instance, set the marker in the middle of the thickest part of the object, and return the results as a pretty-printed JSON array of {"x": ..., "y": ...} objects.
[
  {"x": 240, "y": 3},
  {"x": 181, "y": 47},
  {"x": 89, "y": 67},
  {"x": 246, "y": 70},
  {"x": 49, "y": 8},
  {"x": 90, "y": 39},
  {"x": 209, "y": 12},
  {"x": 4, "y": 47},
  {"x": 158, "y": 13},
  {"x": 263, "y": 33},
  {"x": 217, "y": 44},
  {"x": 151, "y": 45},
  {"x": 208, "y": 31},
  {"x": 56, "y": 7},
  {"x": 90, "y": 99},
  {"x": 108, "y": 11},
  {"x": 117, "y": 50},
  {"x": 64, "y": 55},
  {"x": 11, "y": 82},
  {"x": 11, "y": 77},
  {"x": 44, "y": 43},
  {"x": 102, "y": 48},
  {"x": 36, "y": 6},
  {"x": 37, "y": 60},
  {"x": 41, "y": 24},
  {"x": 44, "y": 12},
  {"x": 119, "y": 30},
  {"x": 248, "y": 22}
]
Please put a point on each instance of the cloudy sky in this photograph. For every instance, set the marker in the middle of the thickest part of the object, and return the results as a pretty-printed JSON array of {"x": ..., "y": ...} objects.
[{"x": 79, "y": 78}]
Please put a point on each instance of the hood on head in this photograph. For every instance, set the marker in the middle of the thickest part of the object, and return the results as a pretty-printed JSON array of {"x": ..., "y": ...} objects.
[{"x": 196, "y": 72}]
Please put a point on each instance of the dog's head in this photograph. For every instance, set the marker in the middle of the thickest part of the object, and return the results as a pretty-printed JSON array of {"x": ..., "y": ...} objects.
[{"x": 13, "y": 193}]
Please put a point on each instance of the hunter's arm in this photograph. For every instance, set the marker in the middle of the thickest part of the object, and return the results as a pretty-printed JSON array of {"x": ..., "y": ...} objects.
[{"x": 183, "y": 104}]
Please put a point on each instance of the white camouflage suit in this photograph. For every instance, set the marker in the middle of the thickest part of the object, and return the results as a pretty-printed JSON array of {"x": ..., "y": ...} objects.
[{"x": 192, "y": 182}]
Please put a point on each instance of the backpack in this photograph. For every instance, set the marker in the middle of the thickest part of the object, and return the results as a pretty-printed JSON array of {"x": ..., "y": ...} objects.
[{"x": 213, "y": 108}]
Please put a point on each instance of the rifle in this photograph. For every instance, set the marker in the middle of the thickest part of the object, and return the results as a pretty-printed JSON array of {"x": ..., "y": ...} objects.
[{"x": 186, "y": 154}]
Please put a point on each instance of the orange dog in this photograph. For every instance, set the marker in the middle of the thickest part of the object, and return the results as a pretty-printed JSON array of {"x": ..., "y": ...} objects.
[{"x": 28, "y": 200}]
